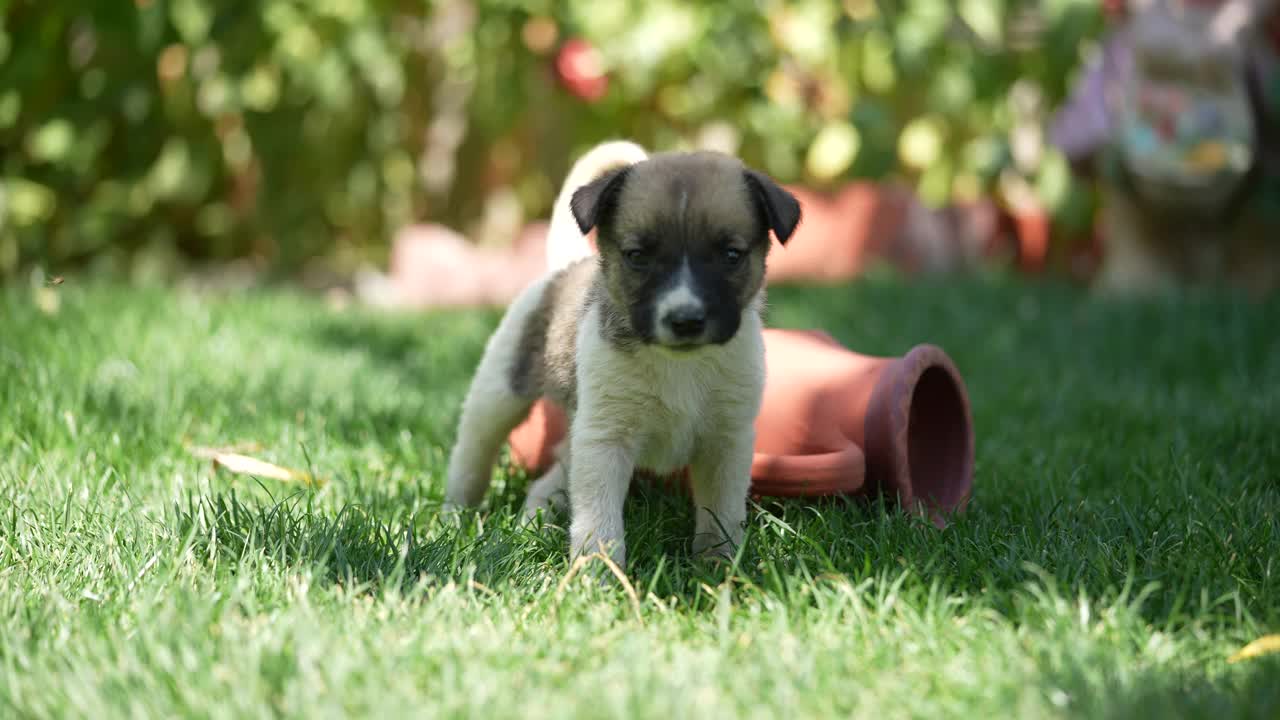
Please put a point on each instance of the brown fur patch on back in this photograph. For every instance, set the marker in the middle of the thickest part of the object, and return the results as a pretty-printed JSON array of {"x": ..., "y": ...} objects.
[{"x": 544, "y": 363}]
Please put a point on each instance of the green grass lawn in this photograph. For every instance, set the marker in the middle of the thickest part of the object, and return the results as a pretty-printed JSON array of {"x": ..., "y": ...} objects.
[{"x": 1123, "y": 540}]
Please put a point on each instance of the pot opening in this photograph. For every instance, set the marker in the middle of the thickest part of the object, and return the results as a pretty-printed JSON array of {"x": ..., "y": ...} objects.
[{"x": 938, "y": 441}]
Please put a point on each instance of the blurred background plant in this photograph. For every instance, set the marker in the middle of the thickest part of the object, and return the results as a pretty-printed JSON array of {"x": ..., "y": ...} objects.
[{"x": 291, "y": 134}]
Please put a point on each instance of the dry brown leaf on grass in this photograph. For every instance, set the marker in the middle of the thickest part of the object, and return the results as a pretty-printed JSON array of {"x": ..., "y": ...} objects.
[
  {"x": 245, "y": 465},
  {"x": 1265, "y": 645},
  {"x": 229, "y": 460}
]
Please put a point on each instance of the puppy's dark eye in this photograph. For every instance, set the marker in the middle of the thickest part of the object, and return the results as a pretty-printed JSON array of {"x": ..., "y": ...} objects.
[
  {"x": 733, "y": 256},
  {"x": 636, "y": 259}
]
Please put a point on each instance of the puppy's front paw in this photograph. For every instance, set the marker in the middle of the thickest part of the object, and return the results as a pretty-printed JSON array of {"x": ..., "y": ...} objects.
[
  {"x": 714, "y": 546},
  {"x": 582, "y": 544}
]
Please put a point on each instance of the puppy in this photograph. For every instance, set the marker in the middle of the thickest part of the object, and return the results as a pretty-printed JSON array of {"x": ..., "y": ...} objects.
[{"x": 653, "y": 346}]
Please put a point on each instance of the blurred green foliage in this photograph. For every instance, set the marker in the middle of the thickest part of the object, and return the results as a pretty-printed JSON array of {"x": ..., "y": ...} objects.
[{"x": 288, "y": 130}]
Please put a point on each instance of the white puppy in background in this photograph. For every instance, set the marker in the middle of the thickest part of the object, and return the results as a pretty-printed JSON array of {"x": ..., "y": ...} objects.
[{"x": 653, "y": 346}]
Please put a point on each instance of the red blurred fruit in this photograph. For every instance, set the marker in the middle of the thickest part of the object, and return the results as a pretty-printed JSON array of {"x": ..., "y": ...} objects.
[{"x": 581, "y": 68}]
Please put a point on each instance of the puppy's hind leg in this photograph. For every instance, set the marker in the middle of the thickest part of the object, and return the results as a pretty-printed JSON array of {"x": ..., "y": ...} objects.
[
  {"x": 492, "y": 408},
  {"x": 490, "y": 413},
  {"x": 548, "y": 494}
]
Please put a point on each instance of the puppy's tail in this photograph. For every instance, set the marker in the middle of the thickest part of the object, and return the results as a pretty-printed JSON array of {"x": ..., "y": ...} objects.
[{"x": 565, "y": 242}]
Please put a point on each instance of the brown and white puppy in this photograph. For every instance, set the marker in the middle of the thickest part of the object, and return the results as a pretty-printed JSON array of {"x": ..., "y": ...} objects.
[{"x": 653, "y": 347}]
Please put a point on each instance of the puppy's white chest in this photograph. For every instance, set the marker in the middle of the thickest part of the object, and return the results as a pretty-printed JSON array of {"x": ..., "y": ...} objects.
[
  {"x": 665, "y": 406},
  {"x": 676, "y": 413}
]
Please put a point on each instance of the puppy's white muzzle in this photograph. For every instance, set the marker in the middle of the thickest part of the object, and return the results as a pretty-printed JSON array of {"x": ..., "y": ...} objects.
[{"x": 680, "y": 314}]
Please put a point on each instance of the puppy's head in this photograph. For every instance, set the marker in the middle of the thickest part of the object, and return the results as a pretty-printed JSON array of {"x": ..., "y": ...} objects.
[{"x": 683, "y": 239}]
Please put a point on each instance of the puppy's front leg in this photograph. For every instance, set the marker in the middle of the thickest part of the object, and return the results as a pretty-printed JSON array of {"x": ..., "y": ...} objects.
[
  {"x": 598, "y": 480},
  {"x": 721, "y": 479}
]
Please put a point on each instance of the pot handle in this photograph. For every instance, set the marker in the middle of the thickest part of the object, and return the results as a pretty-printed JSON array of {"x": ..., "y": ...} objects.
[{"x": 831, "y": 473}]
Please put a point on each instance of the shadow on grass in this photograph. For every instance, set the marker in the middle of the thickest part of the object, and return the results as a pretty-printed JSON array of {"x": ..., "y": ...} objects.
[
  {"x": 1250, "y": 690},
  {"x": 375, "y": 542},
  {"x": 354, "y": 545}
]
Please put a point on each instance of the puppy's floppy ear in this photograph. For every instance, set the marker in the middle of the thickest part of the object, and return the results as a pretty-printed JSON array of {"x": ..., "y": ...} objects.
[
  {"x": 590, "y": 201},
  {"x": 780, "y": 208}
]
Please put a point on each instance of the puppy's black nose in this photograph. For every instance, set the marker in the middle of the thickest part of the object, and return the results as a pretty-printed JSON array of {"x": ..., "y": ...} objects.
[{"x": 687, "y": 321}]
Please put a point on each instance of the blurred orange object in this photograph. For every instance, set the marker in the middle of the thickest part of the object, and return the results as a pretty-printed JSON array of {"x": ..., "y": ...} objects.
[
  {"x": 838, "y": 233},
  {"x": 841, "y": 234},
  {"x": 433, "y": 266},
  {"x": 845, "y": 231}
]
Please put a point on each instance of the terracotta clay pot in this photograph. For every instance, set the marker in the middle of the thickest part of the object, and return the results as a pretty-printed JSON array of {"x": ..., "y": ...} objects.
[
  {"x": 533, "y": 442},
  {"x": 434, "y": 266},
  {"x": 835, "y": 422},
  {"x": 840, "y": 233}
]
